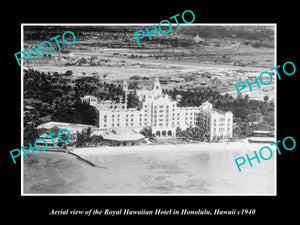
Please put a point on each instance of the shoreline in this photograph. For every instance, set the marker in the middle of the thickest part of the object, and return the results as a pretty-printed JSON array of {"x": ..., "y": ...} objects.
[{"x": 226, "y": 146}]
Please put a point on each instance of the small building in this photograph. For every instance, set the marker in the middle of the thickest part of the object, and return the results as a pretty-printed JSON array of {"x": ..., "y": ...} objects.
[
  {"x": 72, "y": 127},
  {"x": 43, "y": 133},
  {"x": 123, "y": 136},
  {"x": 261, "y": 136}
]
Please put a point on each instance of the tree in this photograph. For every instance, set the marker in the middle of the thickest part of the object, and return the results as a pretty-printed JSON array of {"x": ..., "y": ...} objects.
[
  {"x": 97, "y": 139},
  {"x": 147, "y": 132},
  {"x": 132, "y": 100},
  {"x": 266, "y": 98},
  {"x": 193, "y": 133},
  {"x": 236, "y": 132},
  {"x": 69, "y": 73},
  {"x": 255, "y": 117},
  {"x": 82, "y": 138},
  {"x": 178, "y": 131},
  {"x": 30, "y": 135}
]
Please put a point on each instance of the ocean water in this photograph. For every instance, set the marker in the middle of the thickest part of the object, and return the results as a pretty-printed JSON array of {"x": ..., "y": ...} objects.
[{"x": 204, "y": 172}]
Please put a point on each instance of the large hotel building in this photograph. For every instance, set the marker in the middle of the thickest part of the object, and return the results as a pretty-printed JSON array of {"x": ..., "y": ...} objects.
[{"x": 161, "y": 113}]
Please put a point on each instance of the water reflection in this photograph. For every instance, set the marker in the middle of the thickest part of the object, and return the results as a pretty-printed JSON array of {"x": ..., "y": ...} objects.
[{"x": 194, "y": 172}]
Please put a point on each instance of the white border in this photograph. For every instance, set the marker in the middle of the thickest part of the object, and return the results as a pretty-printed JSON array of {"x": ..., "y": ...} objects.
[{"x": 147, "y": 24}]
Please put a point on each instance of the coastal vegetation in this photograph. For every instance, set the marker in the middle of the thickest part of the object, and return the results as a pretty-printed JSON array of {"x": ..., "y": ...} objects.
[
  {"x": 249, "y": 115},
  {"x": 49, "y": 95}
]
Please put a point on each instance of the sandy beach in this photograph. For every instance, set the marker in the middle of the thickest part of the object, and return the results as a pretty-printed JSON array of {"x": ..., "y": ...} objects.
[
  {"x": 194, "y": 168},
  {"x": 226, "y": 146}
]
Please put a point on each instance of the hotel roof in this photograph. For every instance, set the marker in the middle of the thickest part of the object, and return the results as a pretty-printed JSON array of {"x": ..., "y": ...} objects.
[
  {"x": 127, "y": 137},
  {"x": 63, "y": 125}
]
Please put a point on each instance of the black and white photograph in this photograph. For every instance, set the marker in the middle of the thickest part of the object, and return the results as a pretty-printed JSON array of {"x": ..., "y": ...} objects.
[
  {"x": 132, "y": 114},
  {"x": 153, "y": 115}
]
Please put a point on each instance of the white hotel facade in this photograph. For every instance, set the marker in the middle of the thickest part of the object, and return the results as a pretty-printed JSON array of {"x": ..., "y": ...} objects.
[{"x": 161, "y": 113}]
